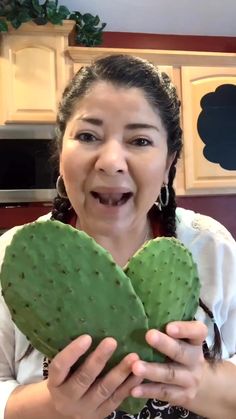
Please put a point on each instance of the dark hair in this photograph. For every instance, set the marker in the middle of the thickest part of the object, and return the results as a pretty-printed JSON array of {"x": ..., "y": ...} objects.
[{"x": 127, "y": 71}]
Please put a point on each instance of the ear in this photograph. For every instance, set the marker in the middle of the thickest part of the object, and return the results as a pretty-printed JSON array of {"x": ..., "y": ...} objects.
[{"x": 169, "y": 162}]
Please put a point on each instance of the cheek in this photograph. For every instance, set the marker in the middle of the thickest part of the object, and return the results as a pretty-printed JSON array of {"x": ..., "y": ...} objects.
[
  {"x": 151, "y": 180},
  {"x": 153, "y": 174},
  {"x": 70, "y": 169}
]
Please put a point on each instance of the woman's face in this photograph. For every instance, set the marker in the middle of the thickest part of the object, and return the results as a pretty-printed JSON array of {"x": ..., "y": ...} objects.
[{"x": 114, "y": 158}]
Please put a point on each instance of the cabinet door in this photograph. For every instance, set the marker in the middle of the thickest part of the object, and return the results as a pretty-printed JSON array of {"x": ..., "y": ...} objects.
[
  {"x": 209, "y": 119},
  {"x": 34, "y": 73}
]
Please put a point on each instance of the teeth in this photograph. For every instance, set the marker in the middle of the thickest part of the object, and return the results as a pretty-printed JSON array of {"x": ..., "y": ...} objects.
[{"x": 111, "y": 199}]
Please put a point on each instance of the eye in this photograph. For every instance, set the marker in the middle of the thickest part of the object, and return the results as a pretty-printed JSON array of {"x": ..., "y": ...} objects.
[
  {"x": 142, "y": 142},
  {"x": 85, "y": 137}
]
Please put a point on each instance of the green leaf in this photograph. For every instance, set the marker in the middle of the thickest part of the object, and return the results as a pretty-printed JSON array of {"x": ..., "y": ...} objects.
[
  {"x": 89, "y": 29},
  {"x": 88, "y": 18},
  {"x": 72, "y": 16},
  {"x": 63, "y": 11},
  {"x": 55, "y": 19},
  {"x": 24, "y": 16},
  {"x": 16, "y": 23},
  {"x": 77, "y": 14},
  {"x": 40, "y": 20},
  {"x": 96, "y": 20},
  {"x": 19, "y": 11},
  {"x": 37, "y": 7},
  {"x": 88, "y": 39},
  {"x": 51, "y": 7},
  {"x": 3, "y": 26}
]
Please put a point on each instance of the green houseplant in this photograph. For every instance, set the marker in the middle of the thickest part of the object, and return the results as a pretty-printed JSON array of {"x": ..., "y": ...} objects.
[{"x": 88, "y": 27}]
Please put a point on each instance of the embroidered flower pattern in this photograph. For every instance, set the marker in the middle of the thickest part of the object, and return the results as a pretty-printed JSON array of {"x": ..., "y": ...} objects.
[{"x": 155, "y": 409}]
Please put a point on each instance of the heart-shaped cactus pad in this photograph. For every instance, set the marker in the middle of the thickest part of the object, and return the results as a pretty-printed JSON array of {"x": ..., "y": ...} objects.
[{"x": 58, "y": 283}]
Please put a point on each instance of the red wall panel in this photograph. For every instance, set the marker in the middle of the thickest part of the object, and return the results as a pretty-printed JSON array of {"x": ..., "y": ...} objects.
[{"x": 169, "y": 42}]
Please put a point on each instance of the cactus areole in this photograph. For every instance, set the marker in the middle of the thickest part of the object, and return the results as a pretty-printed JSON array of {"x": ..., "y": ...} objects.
[{"x": 58, "y": 284}]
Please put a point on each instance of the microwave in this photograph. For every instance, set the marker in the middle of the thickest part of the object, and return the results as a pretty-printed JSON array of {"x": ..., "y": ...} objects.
[{"x": 27, "y": 170}]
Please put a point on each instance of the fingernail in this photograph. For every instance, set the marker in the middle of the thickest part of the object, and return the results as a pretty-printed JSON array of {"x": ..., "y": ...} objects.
[
  {"x": 85, "y": 340},
  {"x": 173, "y": 329},
  {"x": 140, "y": 368},
  {"x": 137, "y": 392},
  {"x": 154, "y": 337}
]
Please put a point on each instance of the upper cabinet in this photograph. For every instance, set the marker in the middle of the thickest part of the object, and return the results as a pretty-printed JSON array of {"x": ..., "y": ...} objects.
[
  {"x": 209, "y": 127},
  {"x": 36, "y": 63},
  {"x": 34, "y": 71}
]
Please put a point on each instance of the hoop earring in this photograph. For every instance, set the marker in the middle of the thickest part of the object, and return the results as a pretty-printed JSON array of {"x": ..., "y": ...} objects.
[
  {"x": 60, "y": 187},
  {"x": 163, "y": 202}
]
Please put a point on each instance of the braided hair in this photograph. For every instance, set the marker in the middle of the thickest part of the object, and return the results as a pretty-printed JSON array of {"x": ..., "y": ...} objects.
[{"x": 129, "y": 71}]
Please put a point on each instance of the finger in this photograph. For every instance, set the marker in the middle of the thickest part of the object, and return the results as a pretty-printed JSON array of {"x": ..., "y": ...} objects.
[
  {"x": 80, "y": 381},
  {"x": 194, "y": 331},
  {"x": 176, "y": 349},
  {"x": 119, "y": 395},
  {"x": 168, "y": 373},
  {"x": 61, "y": 364},
  {"x": 106, "y": 386},
  {"x": 175, "y": 395}
]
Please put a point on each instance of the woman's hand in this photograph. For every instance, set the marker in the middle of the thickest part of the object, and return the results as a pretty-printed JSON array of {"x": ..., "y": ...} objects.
[
  {"x": 81, "y": 395},
  {"x": 177, "y": 381}
]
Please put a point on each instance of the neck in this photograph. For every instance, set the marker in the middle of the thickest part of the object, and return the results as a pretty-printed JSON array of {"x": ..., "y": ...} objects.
[{"x": 121, "y": 246}]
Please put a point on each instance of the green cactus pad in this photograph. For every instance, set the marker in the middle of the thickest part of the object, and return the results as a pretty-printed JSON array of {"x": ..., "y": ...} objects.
[
  {"x": 172, "y": 289},
  {"x": 59, "y": 284}
]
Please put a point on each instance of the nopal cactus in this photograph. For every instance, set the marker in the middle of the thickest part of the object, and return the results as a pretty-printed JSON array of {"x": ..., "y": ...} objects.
[{"x": 59, "y": 283}]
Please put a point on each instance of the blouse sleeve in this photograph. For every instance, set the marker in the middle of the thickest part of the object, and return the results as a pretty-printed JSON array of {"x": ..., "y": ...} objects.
[
  {"x": 214, "y": 251},
  {"x": 7, "y": 374},
  {"x": 7, "y": 340},
  {"x": 227, "y": 270}
]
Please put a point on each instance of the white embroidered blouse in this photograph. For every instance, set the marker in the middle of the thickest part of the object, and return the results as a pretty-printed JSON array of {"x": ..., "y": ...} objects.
[{"x": 214, "y": 251}]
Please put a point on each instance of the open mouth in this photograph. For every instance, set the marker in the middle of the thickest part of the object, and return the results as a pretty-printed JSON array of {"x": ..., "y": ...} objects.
[{"x": 112, "y": 199}]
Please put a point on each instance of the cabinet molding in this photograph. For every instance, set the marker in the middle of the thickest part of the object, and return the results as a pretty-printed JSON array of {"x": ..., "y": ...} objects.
[{"x": 159, "y": 57}]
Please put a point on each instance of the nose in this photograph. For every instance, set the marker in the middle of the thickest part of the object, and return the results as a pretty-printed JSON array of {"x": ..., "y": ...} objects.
[{"x": 112, "y": 158}]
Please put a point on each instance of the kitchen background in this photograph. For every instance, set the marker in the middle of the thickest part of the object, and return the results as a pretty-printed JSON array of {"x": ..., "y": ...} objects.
[{"x": 194, "y": 42}]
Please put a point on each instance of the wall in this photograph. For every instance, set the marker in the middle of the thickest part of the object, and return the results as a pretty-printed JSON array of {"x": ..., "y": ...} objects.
[
  {"x": 222, "y": 208},
  {"x": 183, "y": 17}
]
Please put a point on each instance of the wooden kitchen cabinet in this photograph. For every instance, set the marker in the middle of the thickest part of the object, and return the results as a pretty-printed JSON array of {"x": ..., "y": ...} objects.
[
  {"x": 36, "y": 63},
  {"x": 203, "y": 176},
  {"x": 34, "y": 70}
]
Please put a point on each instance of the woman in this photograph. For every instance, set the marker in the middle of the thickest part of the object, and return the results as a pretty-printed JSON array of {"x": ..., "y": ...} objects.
[{"x": 119, "y": 138}]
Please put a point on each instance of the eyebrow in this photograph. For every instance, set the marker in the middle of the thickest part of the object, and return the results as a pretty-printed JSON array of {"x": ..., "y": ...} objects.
[{"x": 99, "y": 123}]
